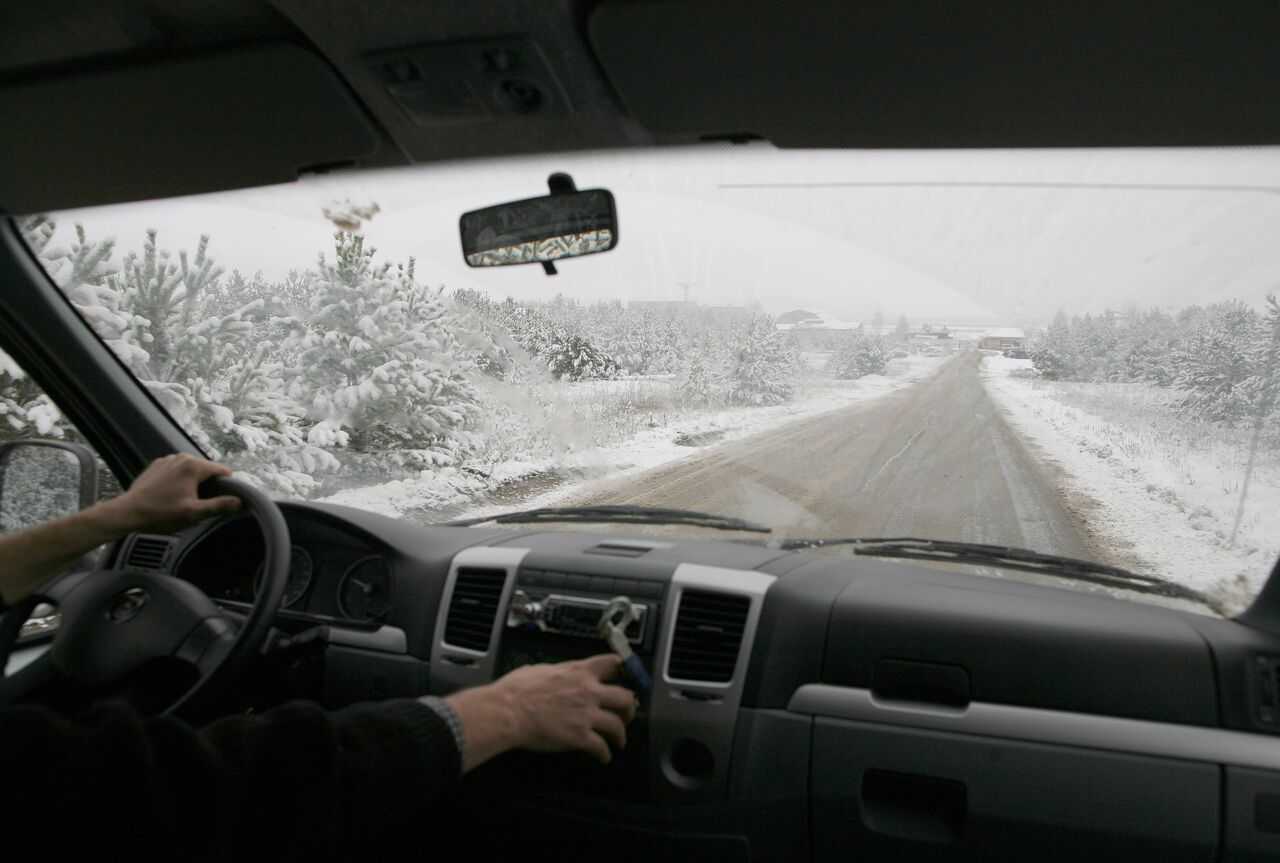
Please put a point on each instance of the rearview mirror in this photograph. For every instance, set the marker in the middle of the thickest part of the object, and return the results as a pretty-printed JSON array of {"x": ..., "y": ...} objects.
[
  {"x": 44, "y": 479},
  {"x": 565, "y": 224}
]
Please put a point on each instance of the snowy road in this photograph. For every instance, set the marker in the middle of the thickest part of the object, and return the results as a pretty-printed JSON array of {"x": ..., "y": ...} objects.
[{"x": 933, "y": 460}]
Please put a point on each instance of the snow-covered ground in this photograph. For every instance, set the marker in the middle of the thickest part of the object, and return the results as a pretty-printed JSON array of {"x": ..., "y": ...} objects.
[
  {"x": 642, "y": 429},
  {"x": 1160, "y": 491}
]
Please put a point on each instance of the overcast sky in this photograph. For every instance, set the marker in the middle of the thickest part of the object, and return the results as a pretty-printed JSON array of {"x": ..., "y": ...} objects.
[{"x": 983, "y": 237}]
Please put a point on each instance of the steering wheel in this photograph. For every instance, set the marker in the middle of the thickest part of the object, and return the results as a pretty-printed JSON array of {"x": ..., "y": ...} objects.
[{"x": 115, "y": 620}]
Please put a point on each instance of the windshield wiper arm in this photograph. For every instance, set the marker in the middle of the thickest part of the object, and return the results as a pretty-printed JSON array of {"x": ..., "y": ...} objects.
[
  {"x": 619, "y": 514},
  {"x": 1010, "y": 557}
]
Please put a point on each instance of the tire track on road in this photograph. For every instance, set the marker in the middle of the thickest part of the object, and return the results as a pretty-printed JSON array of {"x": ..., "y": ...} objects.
[{"x": 935, "y": 460}]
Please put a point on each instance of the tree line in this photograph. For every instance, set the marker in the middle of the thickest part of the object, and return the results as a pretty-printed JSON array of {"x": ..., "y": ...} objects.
[
  {"x": 1222, "y": 359},
  {"x": 351, "y": 367}
]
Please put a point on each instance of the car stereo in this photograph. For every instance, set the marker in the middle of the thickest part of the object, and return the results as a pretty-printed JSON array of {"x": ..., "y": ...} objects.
[
  {"x": 576, "y": 616},
  {"x": 553, "y": 617}
]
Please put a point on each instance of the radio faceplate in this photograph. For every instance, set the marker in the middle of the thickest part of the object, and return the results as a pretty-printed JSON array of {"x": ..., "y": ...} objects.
[{"x": 562, "y": 614}]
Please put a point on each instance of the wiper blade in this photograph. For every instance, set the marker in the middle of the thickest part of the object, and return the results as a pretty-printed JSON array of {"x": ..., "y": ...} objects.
[
  {"x": 618, "y": 514},
  {"x": 1010, "y": 557}
]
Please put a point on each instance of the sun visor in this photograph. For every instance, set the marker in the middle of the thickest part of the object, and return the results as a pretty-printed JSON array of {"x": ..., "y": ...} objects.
[
  {"x": 884, "y": 73},
  {"x": 216, "y": 121}
]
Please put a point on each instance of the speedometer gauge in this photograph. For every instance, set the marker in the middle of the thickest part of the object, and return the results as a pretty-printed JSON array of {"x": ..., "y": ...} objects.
[
  {"x": 300, "y": 572},
  {"x": 365, "y": 591}
]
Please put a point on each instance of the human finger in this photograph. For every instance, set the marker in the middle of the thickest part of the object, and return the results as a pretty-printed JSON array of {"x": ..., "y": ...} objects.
[
  {"x": 203, "y": 469},
  {"x": 217, "y": 505},
  {"x": 610, "y": 727},
  {"x": 595, "y": 746},
  {"x": 620, "y": 700},
  {"x": 602, "y": 665}
]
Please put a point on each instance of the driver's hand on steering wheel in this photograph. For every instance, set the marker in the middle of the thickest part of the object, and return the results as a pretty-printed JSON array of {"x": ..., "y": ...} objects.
[{"x": 164, "y": 497}]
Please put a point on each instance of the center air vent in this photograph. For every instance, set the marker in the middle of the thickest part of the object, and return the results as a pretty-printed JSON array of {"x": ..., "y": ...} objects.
[
  {"x": 473, "y": 607},
  {"x": 708, "y": 636},
  {"x": 149, "y": 552},
  {"x": 620, "y": 549}
]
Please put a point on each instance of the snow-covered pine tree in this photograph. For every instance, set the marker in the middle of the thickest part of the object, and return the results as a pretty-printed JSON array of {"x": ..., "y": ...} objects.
[
  {"x": 760, "y": 368},
  {"x": 1265, "y": 386},
  {"x": 1053, "y": 356},
  {"x": 205, "y": 356},
  {"x": 1218, "y": 364},
  {"x": 25, "y": 411},
  {"x": 696, "y": 385},
  {"x": 572, "y": 357},
  {"x": 547, "y": 335},
  {"x": 81, "y": 271},
  {"x": 1147, "y": 348},
  {"x": 380, "y": 366},
  {"x": 856, "y": 355}
]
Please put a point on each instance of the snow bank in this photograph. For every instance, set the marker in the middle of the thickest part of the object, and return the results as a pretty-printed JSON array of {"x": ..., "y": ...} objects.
[
  {"x": 1160, "y": 491},
  {"x": 667, "y": 435}
]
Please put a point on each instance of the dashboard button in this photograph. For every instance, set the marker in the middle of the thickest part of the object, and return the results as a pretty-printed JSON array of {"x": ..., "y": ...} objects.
[
  {"x": 650, "y": 588},
  {"x": 601, "y": 584},
  {"x": 625, "y": 586},
  {"x": 578, "y": 582},
  {"x": 553, "y": 579}
]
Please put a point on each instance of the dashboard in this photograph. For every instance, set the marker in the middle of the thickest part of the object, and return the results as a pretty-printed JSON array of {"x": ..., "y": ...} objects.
[
  {"x": 803, "y": 706},
  {"x": 334, "y": 574}
]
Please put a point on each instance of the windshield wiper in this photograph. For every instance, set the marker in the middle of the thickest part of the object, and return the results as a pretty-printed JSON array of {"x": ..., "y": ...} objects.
[
  {"x": 619, "y": 514},
  {"x": 1009, "y": 557}
]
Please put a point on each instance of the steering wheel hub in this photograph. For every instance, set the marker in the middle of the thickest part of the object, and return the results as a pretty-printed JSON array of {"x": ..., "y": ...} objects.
[{"x": 127, "y": 604}]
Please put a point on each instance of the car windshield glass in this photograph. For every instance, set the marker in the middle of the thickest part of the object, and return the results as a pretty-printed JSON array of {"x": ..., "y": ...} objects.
[{"x": 1073, "y": 352}]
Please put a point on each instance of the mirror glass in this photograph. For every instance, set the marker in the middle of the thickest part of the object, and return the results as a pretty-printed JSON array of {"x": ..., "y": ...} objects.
[
  {"x": 37, "y": 483},
  {"x": 540, "y": 229}
]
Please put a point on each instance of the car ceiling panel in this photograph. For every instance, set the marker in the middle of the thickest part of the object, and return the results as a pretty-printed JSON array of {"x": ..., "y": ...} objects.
[{"x": 943, "y": 74}]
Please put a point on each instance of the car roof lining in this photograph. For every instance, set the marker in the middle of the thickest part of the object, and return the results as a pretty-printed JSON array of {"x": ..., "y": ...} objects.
[{"x": 618, "y": 73}]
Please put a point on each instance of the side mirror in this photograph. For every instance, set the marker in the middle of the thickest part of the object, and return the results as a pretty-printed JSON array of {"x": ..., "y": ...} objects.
[
  {"x": 565, "y": 224},
  {"x": 44, "y": 479}
]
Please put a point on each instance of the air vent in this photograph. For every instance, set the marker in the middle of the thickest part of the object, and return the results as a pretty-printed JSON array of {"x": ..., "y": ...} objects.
[
  {"x": 708, "y": 635},
  {"x": 149, "y": 552},
  {"x": 620, "y": 549},
  {"x": 473, "y": 607}
]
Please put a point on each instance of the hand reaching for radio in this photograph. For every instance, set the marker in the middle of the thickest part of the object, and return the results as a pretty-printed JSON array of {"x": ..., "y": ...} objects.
[{"x": 547, "y": 708}]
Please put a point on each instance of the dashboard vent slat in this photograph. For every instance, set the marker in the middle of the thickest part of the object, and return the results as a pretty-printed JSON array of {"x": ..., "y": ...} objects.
[
  {"x": 149, "y": 552},
  {"x": 473, "y": 607},
  {"x": 619, "y": 549},
  {"x": 707, "y": 637}
]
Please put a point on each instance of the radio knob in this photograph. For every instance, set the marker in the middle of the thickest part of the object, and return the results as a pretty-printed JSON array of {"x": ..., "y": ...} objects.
[{"x": 524, "y": 610}]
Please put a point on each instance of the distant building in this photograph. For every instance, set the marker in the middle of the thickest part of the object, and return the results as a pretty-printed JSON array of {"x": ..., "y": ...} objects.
[
  {"x": 813, "y": 319},
  {"x": 931, "y": 341},
  {"x": 1002, "y": 339}
]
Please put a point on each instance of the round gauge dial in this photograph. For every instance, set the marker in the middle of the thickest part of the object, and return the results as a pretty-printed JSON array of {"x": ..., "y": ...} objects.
[
  {"x": 365, "y": 591},
  {"x": 300, "y": 571}
]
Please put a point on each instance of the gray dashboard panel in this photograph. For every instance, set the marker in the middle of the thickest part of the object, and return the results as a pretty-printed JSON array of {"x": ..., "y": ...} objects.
[
  {"x": 1008, "y": 722},
  {"x": 963, "y": 797}
]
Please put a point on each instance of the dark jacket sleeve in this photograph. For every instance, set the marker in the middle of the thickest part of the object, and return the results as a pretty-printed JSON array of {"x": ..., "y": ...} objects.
[{"x": 293, "y": 783}]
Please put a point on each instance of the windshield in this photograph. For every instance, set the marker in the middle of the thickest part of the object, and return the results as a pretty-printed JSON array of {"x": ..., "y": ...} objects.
[{"x": 1071, "y": 352}]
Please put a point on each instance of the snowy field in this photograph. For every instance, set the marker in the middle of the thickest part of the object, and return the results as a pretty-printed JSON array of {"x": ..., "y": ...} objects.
[
  {"x": 1162, "y": 492},
  {"x": 613, "y": 428}
]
